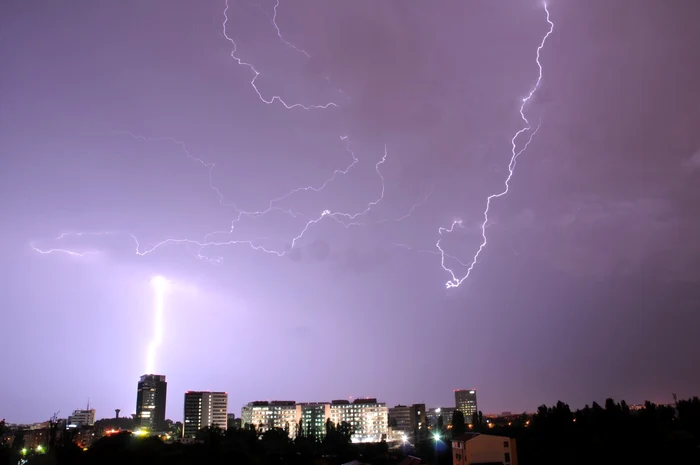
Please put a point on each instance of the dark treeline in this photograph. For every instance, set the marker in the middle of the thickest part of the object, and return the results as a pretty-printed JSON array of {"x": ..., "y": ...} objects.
[
  {"x": 598, "y": 435},
  {"x": 212, "y": 446},
  {"x": 609, "y": 434}
]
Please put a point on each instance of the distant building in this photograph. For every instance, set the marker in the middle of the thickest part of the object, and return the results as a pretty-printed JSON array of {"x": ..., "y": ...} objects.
[
  {"x": 203, "y": 409},
  {"x": 150, "y": 402},
  {"x": 82, "y": 418},
  {"x": 35, "y": 438},
  {"x": 446, "y": 413},
  {"x": 313, "y": 419},
  {"x": 265, "y": 415},
  {"x": 465, "y": 402},
  {"x": 400, "y": 418},
  {"x": 84, "y": 437},
  {"x": 369, "y": 419},
  {"x": 473, "y": 448},
  {"x": 407, "y": 419},
  {"x": 232, "y": 422}
]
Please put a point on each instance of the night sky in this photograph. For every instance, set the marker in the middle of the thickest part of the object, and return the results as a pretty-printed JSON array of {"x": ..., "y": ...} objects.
[{"x": 131, "y": 119}]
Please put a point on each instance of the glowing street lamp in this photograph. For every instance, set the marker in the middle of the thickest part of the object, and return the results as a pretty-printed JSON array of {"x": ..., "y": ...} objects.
[{"x": 39, "y": 448}]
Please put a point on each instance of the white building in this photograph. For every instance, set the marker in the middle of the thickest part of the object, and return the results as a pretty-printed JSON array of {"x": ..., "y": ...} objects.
[
  {"x": 368, "y": 418},
  {"x": 82, "y": 418},
  {"x": 264, "y": 415},
  {"x": 203, "y": 409},
  {"x": 313, "y": 419}
]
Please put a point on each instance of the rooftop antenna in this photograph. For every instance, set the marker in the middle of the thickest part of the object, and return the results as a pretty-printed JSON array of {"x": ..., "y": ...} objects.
[{"x": 88, "y": 406}]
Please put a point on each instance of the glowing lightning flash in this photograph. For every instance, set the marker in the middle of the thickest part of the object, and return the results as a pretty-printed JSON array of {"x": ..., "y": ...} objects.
[
  {"x": 455, "y": 281},
  {"x": 160, "y": 286}
]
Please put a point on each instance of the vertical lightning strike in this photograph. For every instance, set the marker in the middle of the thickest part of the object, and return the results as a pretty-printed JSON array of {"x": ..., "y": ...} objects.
[
  {"x": 455, "y": 281},
  {"x": 160, "y": 286},
  {"x": 256, "y": 73}
]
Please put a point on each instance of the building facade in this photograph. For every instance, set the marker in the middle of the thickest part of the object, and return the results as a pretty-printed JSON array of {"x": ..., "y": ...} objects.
[
  {"x": 368, "y": 418},
  {"x": 82, "y": 418},
  {"x": 150, "y": 402},
  {"x": 465, "y": 402},
  {"x": 407, "y": 419},
  {"x": 265, "y": 415},
  {"x": 433, "y": 414},
  {"x": 203, "y": 409},
  {"x": 473, "y": 448},
  {"x": 313, "y": 419}
]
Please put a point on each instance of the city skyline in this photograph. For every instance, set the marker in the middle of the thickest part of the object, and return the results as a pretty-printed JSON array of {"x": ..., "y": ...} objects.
[
  {"x": 432, "y": 411},
  {"x": 300, "y": 242}
]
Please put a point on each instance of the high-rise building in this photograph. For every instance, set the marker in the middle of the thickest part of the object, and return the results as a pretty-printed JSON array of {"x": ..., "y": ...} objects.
[
  {"x": 264, "y": 415},
  {"x": 150, "y": 402},
  {"x": 203, "y": 409},
  {"x": 368, "y": 418},
  {"x": 82, "y": 418},
  {"x": 313, "y": 419},
  {"x": 465, "y": 402}
]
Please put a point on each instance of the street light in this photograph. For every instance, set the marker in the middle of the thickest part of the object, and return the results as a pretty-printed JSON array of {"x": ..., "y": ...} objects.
[
  {"x": 39, "y": 448},
  {"x": 436, "y": 436}
]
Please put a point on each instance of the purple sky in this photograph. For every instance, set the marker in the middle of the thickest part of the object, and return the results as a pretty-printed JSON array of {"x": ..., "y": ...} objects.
[{"x": 588, "y": 287}]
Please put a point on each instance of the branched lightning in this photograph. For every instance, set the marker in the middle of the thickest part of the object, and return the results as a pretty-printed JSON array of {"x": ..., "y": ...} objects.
[
  {"x": 279, "y": 33},
  {"x": 226, "y": 237},
  {"x": 429, "y": 251},
  {"x": 256, "y": 73},
  {"x": 455, "y": 281}
]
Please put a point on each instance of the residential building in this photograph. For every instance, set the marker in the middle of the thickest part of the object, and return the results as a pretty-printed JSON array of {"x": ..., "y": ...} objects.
[
  {"x": 82, "y": 418},
  {"x": 264, "y": 415},
  {"x": 150, "y": 402},
  {"x": 465, "y": 402},
  {"x": 203, "y": 409},
  {"x": 368, "y": 418},
  {"x": 419, "y": 416},
  {"x": 446, "y": 413},
  {"x": 407, "y": 419},
  {"x": 473, "y": 448},
  {"x": 400, "y": 418},
  {"x": 313, "y": 419}
]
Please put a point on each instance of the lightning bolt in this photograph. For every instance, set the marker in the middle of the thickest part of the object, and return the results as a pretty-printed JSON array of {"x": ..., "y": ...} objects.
[
  {"x": 340, "y": 217},
  {"x": 279, "y": 33},
  {"x": 160, "y": 286},
  {"x": 256, "y": 73},
  {"x": 456, "y": 281}
]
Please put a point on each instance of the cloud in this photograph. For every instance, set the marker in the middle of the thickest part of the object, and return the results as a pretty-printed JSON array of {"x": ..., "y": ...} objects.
[{"x": 693, "y": 163}]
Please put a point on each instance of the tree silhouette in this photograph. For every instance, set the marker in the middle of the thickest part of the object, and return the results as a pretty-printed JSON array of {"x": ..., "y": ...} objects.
[{"x": 458, "y": 426}]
